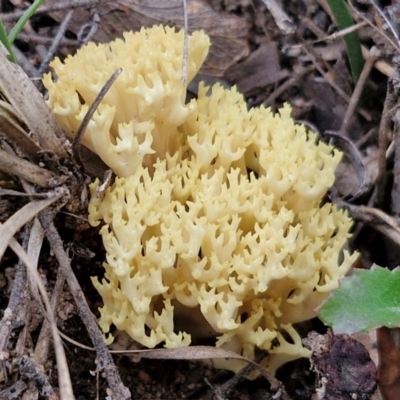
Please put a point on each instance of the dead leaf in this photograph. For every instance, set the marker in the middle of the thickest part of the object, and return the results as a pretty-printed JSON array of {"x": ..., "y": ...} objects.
[
  {"x": 228, "y": 32},
  {"x": 344, "y": 366},
  {"x": 358, "y": 182},
  {"x": 29, "y": 106},
  {"x": 260, "y": 69}
]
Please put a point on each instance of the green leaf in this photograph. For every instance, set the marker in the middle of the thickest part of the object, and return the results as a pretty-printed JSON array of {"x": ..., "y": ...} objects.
[
  {"x": 366, "y": 300},
  {"x": 351, "y": 40}
]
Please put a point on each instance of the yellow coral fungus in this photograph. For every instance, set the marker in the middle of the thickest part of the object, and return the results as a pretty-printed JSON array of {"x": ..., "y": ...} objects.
[
  {"x": 141, "y": 112},
  {"x": 227, "y": 224}
]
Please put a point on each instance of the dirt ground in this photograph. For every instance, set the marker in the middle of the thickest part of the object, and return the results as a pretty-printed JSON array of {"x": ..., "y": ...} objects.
[{"x": 275, "y": 52}]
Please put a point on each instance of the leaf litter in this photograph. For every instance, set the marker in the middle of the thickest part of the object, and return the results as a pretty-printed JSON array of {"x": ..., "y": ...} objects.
[{"x": 306, "y": 67}]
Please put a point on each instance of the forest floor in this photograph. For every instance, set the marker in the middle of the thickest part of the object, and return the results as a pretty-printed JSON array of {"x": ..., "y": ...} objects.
[{"x": 290, "y": 51}]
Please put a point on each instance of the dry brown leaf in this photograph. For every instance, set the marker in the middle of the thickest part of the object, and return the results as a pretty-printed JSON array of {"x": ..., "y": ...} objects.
[
  {"x": 11, "y": 129},
  {"x": 352, "y": 177},
  {"x": 228, "y": 32},
  {"x": 29, "y": 106},
  {"x": 260, "y": 69}
]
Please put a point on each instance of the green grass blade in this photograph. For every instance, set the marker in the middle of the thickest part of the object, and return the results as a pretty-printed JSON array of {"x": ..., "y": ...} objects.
[
  {"x": 23, "y": 20},
  {"x": 351, "y": 40},
  {"x": 6, "y": 42}
]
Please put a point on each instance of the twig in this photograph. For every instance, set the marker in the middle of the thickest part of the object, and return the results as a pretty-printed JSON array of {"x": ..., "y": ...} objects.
[
  {"x": 330, "y": 38},
  {"x": 56, "y": 43},
  {"x": 15, "y": 301},
  {"x": 373, "y": 55},
  {"x": 87, "y": 31},
  {"x": 120, "y": 392},
  {"x": 206, "y": 353},
  {"x": 60, "y": 5},
  {"x": 93, "y": 107},
  {"x": 44, "y": 340},
  {"x": 10, "y": 192},
  {"x": 14, "y": 391},
  {"x": 223, "y": 390},
  {"x": 34, "y": 248},
  {"x": 384, "y": 129},
  {"x": 283, "y": 21},
  {"x": 286, "y": 85},
  {"x": 32, "y": 371},
  {"x": 380, "y": 32},
  {"x": 395, "y": 194},
  {"x": 377, "y": 219},
  {"x": 329, "y": 80},
  {"x": 34, "y": 38},
  {"x": 381, "y": 65}
]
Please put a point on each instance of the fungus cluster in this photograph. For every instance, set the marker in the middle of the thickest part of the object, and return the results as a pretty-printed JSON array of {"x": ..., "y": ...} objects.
[{"x": 215, "y": 224}]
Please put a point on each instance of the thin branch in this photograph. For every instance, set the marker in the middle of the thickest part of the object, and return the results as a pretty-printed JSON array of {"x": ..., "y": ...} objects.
[
  {"x": 375, "y": 218},
  {"x": 384, "y": 129},
  {"x": 93, "y": 107},
  {"x": 16, "y": 297},
  {"x": 374, "y": 27},
  {"x": 56, "y": 43},
  {"x": 43, "y": 343},
  {"x": 351, "y": 108},
  {"x": 120, "y": 392},
  {"x": 57, "y": 6},
  {"x": 282, "y": 19}
]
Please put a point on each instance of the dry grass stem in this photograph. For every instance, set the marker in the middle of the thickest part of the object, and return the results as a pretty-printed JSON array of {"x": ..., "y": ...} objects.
[
  {"x": 22, "y": 216},
  {"x": 17, "y": 88},
  {"x": 64, "y": 379}
]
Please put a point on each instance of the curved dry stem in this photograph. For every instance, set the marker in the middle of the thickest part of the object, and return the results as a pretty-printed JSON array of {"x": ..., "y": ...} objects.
[{"x": 22, "y": 216}]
